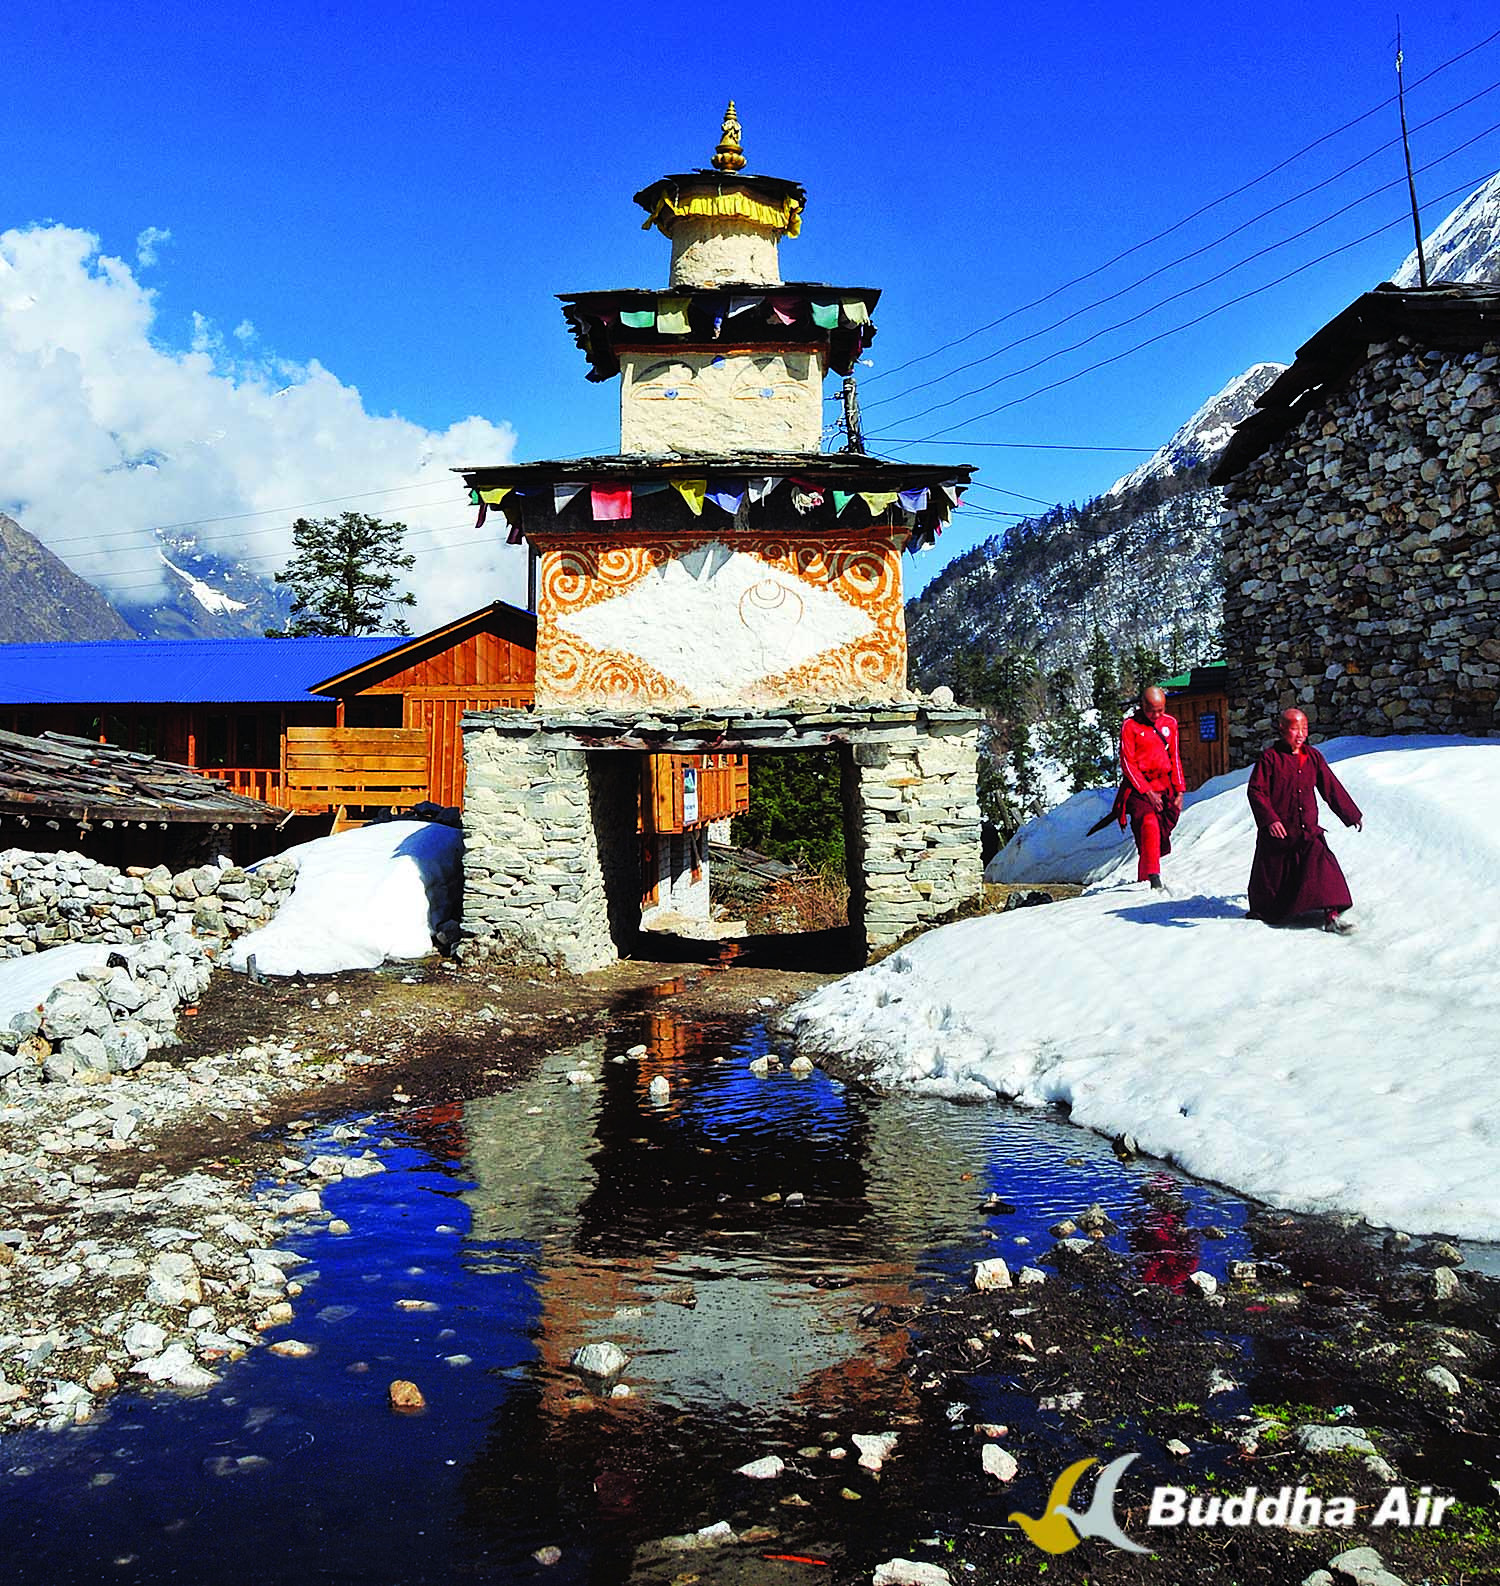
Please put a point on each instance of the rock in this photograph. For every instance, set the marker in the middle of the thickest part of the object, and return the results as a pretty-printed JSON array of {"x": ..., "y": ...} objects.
[
  {"x": 715, "y": 1535},
  {"x": 1443, "y": 1285},
  {"x": 1443, "y": 1380},
  {"x": 660, "y": 1088},
  {"x": 404, "y": 1395},
  {"x": 640, "y": 1049},
  {"x": 802, "y": 1066},
  {"x": 547, "y": 1556},
  {"x": 600, "y": 1360},
  {"x": 144, "y": 1338},
  {"x": 126, "y": 1047},
  {"x": 1362, "y": 1566},
  {"x": 1333, "y": 1440},
  {"x": 1443, "y": 1254},
  {"x": 1032, "y": 1275},
  {"x": 1177, "y": 1448},
  {"x": 1206, "y": 1284},
  {"x": 175, "y": 1282},
  {"x": 1096, "y": 1220},
  {"x": 292, "y": 1349},
  {"x": 991, "y": 1274},
  {"x": 874, "y": 1447},
  {"x": 998, "y": 1462},
  {"x": 581, "y": 1076},
  {"x": 764, "y": 1469},
  {"x": 910, "y": 1572},
  {"x": 1063, "y": 1230}
]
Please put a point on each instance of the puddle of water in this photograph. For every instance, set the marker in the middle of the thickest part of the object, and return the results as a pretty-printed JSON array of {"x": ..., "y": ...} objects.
[{"x": 725, "y": 1232}]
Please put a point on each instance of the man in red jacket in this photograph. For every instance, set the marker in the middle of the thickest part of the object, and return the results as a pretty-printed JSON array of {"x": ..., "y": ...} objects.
[{"x": 1151, "y": 782}]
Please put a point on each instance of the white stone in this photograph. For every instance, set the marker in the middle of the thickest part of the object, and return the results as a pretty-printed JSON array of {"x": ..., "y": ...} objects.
[
  {"x": 998, "y": 1462},
  {"x": 600, "y": 1360},
  {"x": 874, "y": 1447},
  {"x": 991, "y": 1274},
  {"x": 765, "y": 1469},
  {"x": 910, "y": 1572}
]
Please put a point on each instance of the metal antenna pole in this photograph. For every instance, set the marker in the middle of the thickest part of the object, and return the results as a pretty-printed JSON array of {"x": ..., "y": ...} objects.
[
  {"x": 1411, "y": 184},
  {"x": 850, "y": 395}
]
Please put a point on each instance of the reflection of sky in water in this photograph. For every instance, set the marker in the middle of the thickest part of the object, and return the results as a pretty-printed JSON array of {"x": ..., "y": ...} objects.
[{"x": 540, "y": 1219}]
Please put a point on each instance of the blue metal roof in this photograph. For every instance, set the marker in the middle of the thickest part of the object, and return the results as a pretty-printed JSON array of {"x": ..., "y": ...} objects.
[{"x": 180, "y": 671}]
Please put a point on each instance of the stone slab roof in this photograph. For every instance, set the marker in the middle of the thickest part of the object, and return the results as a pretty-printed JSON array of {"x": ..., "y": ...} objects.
[{"x": 1445, "y": 318}]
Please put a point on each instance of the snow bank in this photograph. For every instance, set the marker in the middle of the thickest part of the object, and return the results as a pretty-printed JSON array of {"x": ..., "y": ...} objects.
[
  {"x": 25, "y": 982},
  {"x": 1056, "y": 846},
  {"x": 1359, "y": 1073},
  {"x": 364, "y": 896}
]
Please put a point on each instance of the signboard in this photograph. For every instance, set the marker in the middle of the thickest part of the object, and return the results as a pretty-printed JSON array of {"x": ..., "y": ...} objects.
[
  {"x": 689, "y": 795},
  {"x": 1208, "y": 727}
]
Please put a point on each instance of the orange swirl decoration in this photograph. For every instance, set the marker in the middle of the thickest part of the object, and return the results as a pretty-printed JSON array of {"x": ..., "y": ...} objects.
[{"x": 566, "y": 577}]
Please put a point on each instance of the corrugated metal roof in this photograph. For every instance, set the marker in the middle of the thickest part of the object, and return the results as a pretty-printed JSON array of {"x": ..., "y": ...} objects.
[{"x": 180, "y": 671}]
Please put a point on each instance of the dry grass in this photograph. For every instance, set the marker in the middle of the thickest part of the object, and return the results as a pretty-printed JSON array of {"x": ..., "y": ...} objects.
[{"x": 800, "y": 903}]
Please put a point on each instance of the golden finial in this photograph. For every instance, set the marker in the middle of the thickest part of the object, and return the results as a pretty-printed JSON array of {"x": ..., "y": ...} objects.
[{"x": 729, "y": 156}]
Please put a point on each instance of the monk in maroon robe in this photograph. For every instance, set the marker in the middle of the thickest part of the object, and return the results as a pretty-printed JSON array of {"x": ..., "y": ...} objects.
[{"x": 1295, "y": 871}]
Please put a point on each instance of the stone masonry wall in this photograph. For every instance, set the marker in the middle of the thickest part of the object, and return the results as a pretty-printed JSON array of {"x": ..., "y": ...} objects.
[
  {"x": 917, "y": 854},
  {"x": 1362, "y": 557},
  {"x": 533, "y": 880},
  {"x": 48, "y": 899}
]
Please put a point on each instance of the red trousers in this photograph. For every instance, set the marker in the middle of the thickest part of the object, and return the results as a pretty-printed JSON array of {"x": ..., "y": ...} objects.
[{"x": 1152, "y": 830}]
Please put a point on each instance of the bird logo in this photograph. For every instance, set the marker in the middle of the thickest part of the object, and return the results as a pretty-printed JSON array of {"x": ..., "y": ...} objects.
[{"x": 1059, "y": 1529}]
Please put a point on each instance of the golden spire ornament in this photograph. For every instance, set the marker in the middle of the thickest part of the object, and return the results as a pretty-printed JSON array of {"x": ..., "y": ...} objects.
[{"x": 729, "y": 156}]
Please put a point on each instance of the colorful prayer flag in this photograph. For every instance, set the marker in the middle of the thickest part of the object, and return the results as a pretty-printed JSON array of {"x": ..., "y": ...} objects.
[
  {"x": 761, "y": 488},
  {"x": 562, "y": 495},
  {"x": 610, "y": 504},
  {"x": 638, "y": 318},
  {"x": 727, "y": 497},
  {"x": 672, "y": 316},
  {"x": 692, "y": 491},
  {"x": 855, "y": 311},
  {"x": 841, "y": 499},
  {"x": 826, "y": 315},
  {"x": 741, "y": 305},
  {"x": 783, "y": 310},
  {"x": 806, "y": 497},
  {"x": 914, "y": 500},
  {"x": 878, "y": 501}
]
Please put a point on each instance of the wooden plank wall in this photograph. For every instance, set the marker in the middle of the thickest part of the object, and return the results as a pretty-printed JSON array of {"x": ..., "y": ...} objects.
[
  {"x": 381, "y": 767},
  {"x": 1202, "y": 758},
  {"x": 482, "y": 672},
  {"x": 723, "y": 789}
]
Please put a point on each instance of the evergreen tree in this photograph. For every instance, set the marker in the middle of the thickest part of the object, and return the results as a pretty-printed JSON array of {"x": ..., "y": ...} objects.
[
  {"x": 796, "y": 809},
  {"x": 1141, "y": 667},
  {"x": 343, "y": 576}
]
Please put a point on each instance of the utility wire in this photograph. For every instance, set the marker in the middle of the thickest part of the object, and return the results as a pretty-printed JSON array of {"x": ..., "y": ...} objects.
[
  {"x": 1206, "y": 247},
  {"x": 1173, "y": 330},
  {"x": 1177, "y": 225}
]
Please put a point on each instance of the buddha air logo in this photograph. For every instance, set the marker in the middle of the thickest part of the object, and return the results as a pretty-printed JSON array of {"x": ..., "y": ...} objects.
[{"x": 1060, "y": 1527}]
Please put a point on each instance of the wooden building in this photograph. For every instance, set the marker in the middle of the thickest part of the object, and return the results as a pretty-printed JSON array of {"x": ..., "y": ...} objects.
[{"x": 1199, "y": 699}]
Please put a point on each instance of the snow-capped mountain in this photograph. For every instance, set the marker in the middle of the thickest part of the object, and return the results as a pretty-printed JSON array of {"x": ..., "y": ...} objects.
[
  {"x": 1140, "y": 563},
  {"x": 1207, "y": 433},
  {"x": 43, "y": 599},
  {"x": 1465, "y": 247},
  {"x": 207, "y": 596}
]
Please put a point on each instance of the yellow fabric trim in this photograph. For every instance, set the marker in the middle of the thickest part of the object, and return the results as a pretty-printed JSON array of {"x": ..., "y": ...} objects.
[{"x": 785, "y": 217}]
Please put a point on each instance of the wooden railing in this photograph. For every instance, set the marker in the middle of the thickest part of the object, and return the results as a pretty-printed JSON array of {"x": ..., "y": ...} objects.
[
  {"x": 266, "y": 783},
  {"x": 334, "y": 767}
]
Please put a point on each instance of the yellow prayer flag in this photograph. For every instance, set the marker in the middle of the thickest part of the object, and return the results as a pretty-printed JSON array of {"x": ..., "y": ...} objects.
[
  {"x": 855, "y": 311},
  {"x": 692, "y": 491},
  {"x": 672, "y": 316},
  {"x": 878, "y": 501},
  {"x": 493, "y": 498}
]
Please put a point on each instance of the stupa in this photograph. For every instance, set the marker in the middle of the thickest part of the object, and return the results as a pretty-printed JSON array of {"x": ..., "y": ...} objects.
[{"x": 721, "y": 583}]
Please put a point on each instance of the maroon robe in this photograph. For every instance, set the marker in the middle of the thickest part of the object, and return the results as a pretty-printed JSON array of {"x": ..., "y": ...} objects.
[{"x": 1296, "y": 873}]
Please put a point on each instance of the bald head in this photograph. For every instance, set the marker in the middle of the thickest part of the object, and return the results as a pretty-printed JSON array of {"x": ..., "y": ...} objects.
[
  {"x": 1153, "y": 703},
  {"x": 1291, "y": 728}
]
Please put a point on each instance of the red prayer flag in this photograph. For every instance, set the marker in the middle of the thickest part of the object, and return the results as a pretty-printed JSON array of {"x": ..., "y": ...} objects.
[{"x": 609, "y": 504}]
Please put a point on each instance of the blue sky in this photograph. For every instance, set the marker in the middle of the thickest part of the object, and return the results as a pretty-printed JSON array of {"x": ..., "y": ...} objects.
[{"x": 390, "y": 199}]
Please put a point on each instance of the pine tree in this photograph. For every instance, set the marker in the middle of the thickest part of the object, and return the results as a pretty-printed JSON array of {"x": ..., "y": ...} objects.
[{"x": 343, "y": 576}]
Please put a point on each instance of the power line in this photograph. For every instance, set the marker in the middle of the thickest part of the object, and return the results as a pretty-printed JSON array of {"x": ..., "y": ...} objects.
[
  {"x": 1185, "y": 325},
  {"x": 1177, "y": 225},
  {"x": 1206, "y": 247},
  {"x": 1172, "y": 297}
]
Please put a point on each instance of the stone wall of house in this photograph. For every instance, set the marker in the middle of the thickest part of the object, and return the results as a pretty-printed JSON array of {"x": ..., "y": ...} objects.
[
  {"x": 1362, "y": 557},
  {"x": 48, "y": 899}
]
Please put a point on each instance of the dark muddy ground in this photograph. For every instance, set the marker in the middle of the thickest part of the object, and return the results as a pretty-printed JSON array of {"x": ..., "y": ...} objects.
[{"x": 1117, "y": 1352}]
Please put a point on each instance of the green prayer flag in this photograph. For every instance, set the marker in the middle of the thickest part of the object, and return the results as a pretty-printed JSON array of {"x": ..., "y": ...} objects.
[
  {"x": 638, "y": 318},
  {"x": 841, "y": 499},
  {"x": 826, "y": 315}
]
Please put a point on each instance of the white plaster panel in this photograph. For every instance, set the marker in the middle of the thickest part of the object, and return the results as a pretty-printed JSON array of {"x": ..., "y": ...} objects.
[
  {"x": 718, "y": 619},
  {"x": 701, "y": 401},
  {"x": 710, "y": 250}
]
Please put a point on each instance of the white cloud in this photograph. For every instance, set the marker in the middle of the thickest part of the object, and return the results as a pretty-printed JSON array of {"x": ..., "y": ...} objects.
[
  {"x": 105, "y": 434},
  {"x": 147, "y": 243}
]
